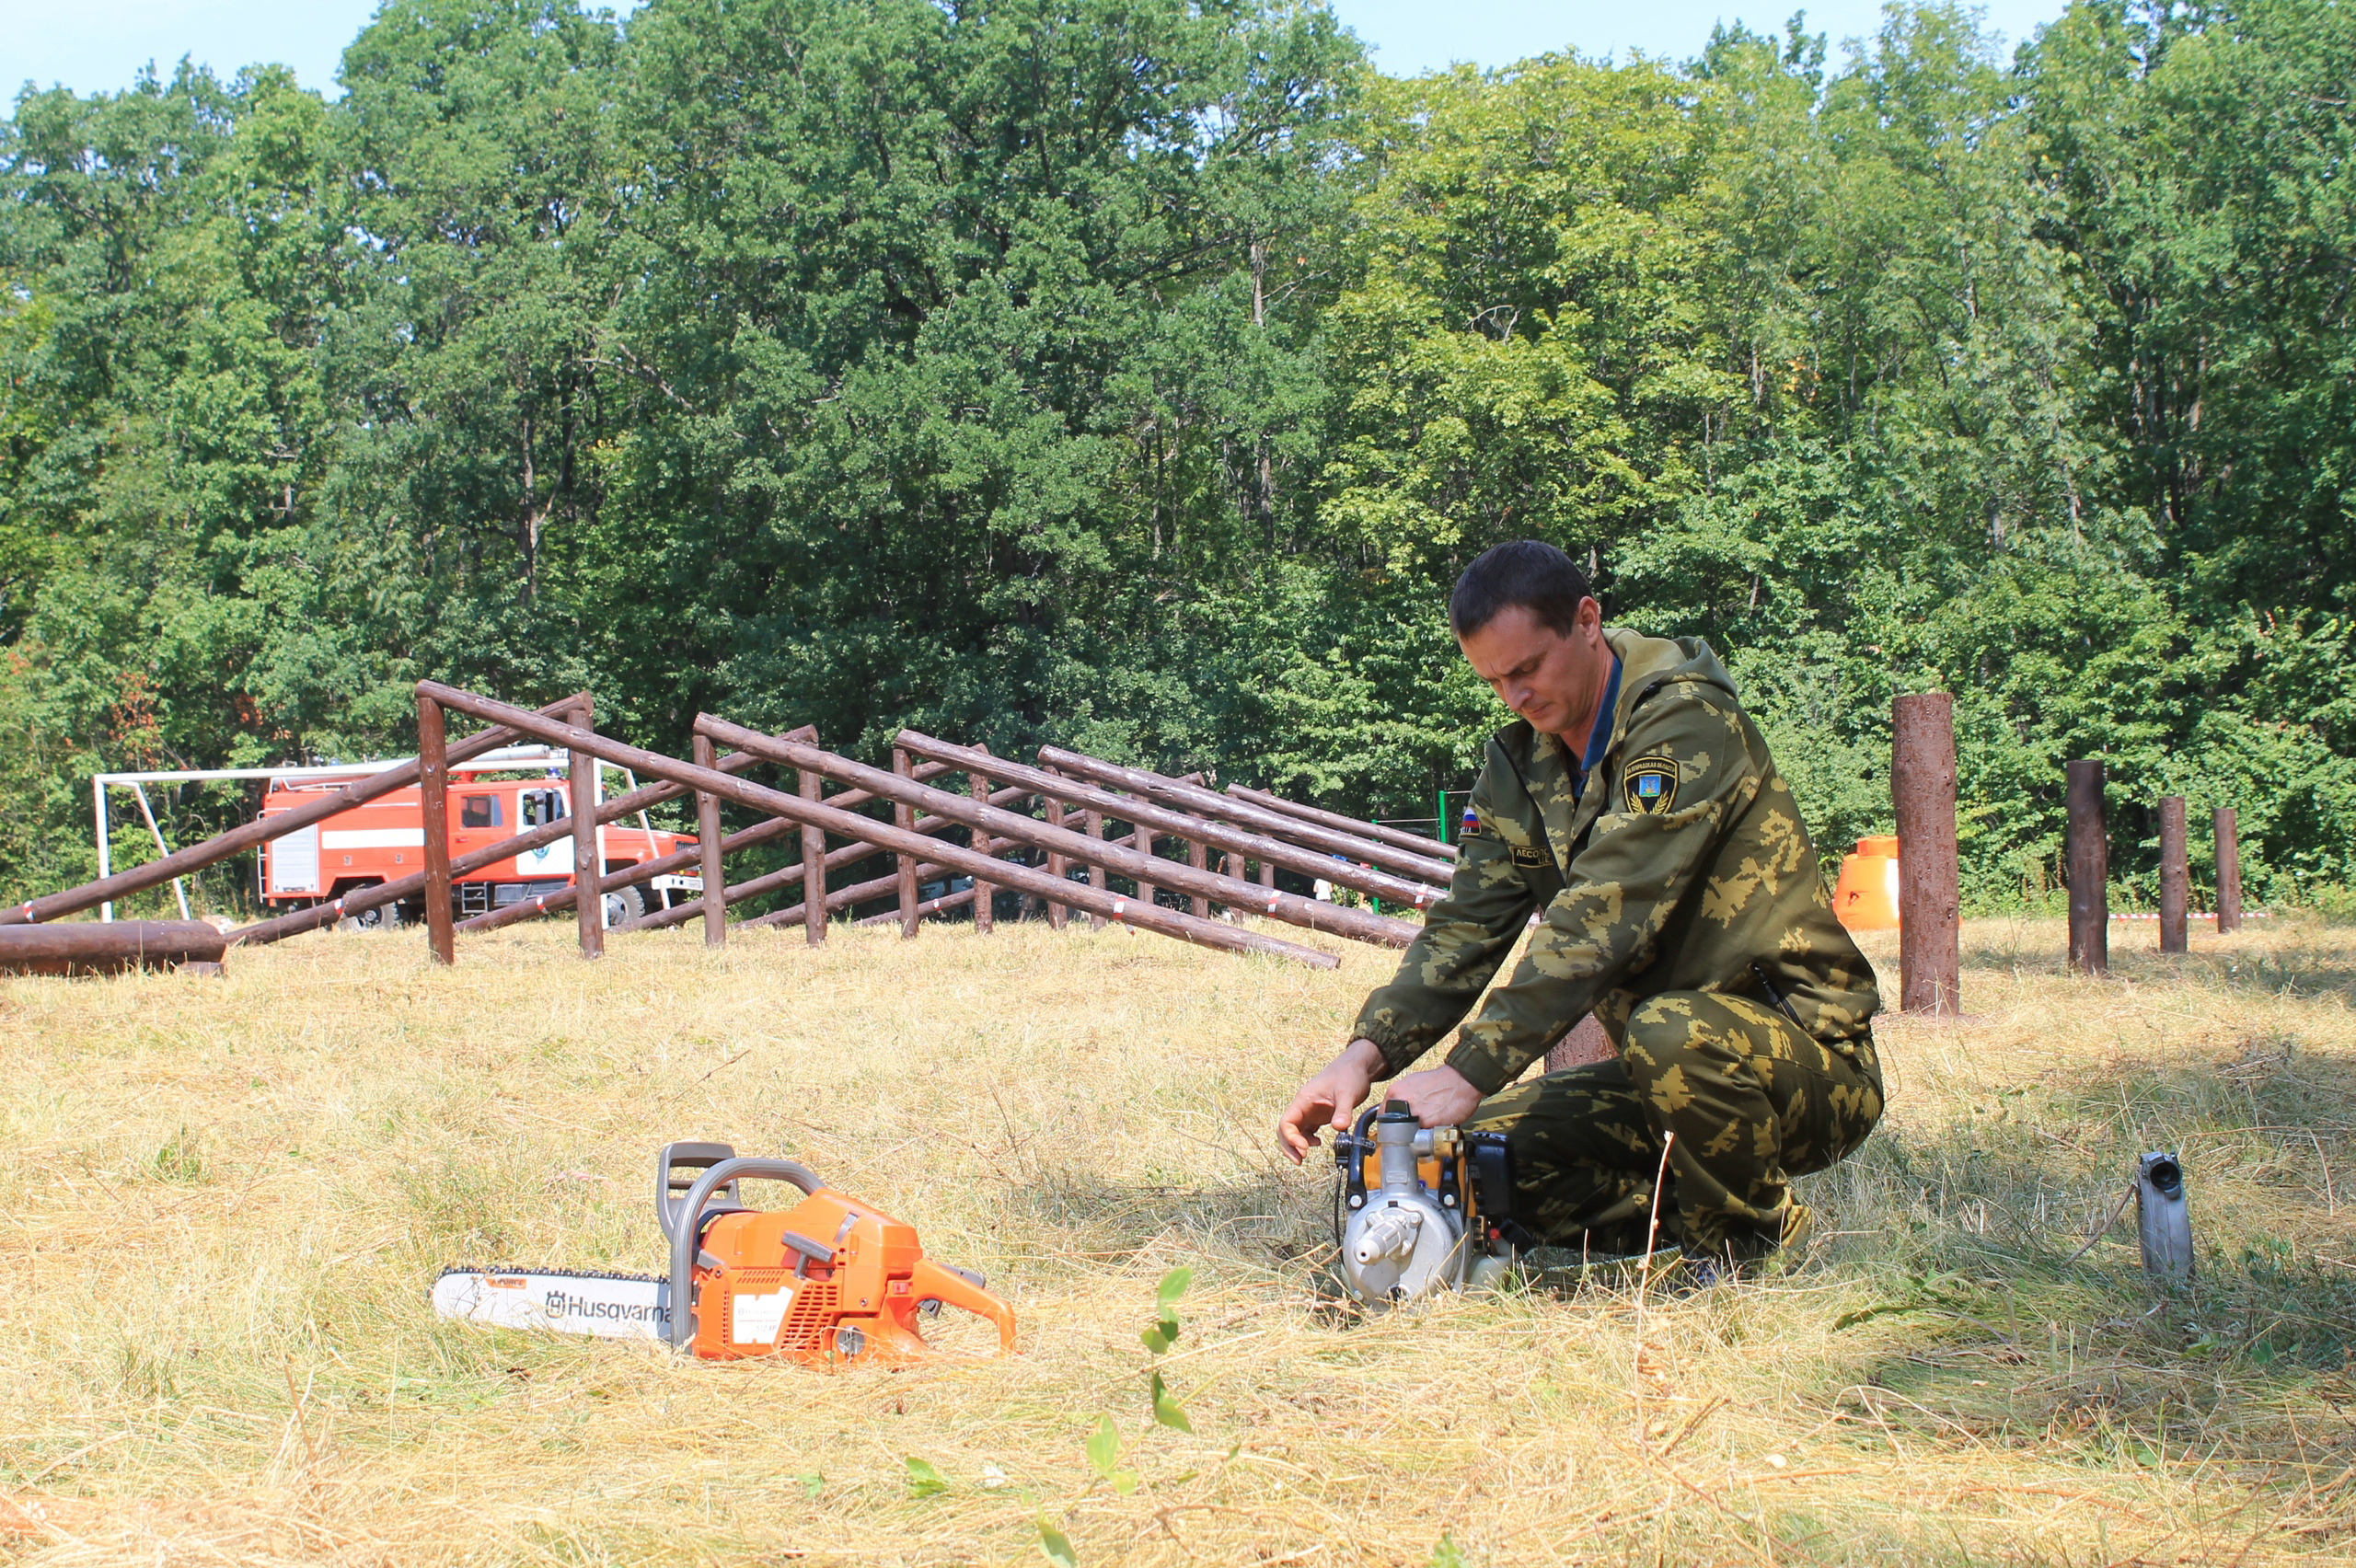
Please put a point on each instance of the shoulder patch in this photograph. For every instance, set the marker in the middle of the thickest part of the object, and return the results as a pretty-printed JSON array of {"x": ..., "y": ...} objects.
[
  {"x": 1471, "y": 827},
  {"x": 1529, "y": 857},
  {"x": 1649, "y": 785}
]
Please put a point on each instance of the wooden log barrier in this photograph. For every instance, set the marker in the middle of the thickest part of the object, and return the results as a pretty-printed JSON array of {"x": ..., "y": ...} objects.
[
  {"x": 556, "y": 903},
  {"x": 108, "y": 947},
  {"x": 1356, "y": 924},
  {"x": 929, "y": 906},
  {"x": 1416, "y": 843},
  {"x": 786, "y": 876},
  {"x": 400, "y": 888},
  {"x": 1199, "y": 801},
  {"x": 875, "y": 887},
  {"x": 1168, "y": 823},
  {"x": 260, "y": 831},
  {"x": 1204, "y": 933}
]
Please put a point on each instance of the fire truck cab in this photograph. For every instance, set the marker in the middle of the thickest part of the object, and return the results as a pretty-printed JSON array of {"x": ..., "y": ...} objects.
[{"x": 384, "y": 839}]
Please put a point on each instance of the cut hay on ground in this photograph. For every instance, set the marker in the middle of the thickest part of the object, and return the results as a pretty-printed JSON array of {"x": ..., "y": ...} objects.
[{"x": 224, "y": 1201}]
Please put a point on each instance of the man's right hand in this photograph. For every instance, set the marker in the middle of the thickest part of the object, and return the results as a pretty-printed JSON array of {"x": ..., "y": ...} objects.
[{"x": 1328, "y": 1099}]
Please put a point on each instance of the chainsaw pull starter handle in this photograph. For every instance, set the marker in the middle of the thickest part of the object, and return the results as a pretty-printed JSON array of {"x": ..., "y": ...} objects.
[
  {"x": 686, "y": 1235},
  {"x": 929, "y": 1279}
]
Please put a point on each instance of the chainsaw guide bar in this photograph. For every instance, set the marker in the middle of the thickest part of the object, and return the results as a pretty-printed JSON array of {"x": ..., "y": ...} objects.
[{"x": 609, "y": 1306}]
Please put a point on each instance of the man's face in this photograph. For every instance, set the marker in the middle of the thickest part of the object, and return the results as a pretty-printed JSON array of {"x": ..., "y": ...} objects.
[{"x": 1547, "y": 677}]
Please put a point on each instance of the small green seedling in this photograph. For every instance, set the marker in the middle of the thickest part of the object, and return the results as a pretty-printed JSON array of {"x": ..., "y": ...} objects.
[
  {"x": 1162, "y": 1333},
  {"x": 1103, "y": 1455},
  {"x": 1168, "y": 1411},
  {"x": 924, "y": 1478},
  {"x": 1057, "y": 1545}
]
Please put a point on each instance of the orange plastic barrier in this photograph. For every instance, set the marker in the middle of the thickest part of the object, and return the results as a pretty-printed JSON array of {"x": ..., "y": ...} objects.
[{"x": 1865, "y": 898}]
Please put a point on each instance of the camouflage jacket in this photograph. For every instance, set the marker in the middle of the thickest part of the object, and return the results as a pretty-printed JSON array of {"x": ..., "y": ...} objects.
[{"x": 1681, "y": 865}]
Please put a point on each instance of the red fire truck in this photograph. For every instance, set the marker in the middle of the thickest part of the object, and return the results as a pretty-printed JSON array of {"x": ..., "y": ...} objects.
[{"x": 385, "y": 839}]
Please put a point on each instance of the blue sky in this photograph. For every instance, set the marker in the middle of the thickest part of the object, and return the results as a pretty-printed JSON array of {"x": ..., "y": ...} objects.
[{"x": 94, "y": 44}]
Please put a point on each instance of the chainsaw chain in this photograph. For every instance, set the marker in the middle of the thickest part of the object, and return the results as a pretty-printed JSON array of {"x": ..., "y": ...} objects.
[{"x": 558, "y": 1274}]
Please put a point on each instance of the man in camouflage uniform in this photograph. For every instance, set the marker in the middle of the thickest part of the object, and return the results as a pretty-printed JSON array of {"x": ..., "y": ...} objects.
[{"x": 1635, "y": 807}]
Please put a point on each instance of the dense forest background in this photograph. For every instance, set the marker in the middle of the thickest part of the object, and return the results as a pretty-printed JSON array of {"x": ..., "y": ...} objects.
[{"x": 1135, "y": 375}]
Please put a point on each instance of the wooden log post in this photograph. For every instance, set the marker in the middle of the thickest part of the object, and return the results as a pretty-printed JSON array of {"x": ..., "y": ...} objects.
[
  {"x": 1141, "y": 840},
  {"x": 1930, "y": 903},
  {"x": 1267, "y": 874},
  {"x": 1198, "y": 855},
  {"x": 985, "y": 920},
  {"x": 2176, "y": 876},
  {"x": 2088, "y": 855},
  {"x": 2229, "y": 872},
  {"x": 810, "y": 787},
  {"x": 588, "y": 874},
  {"x": 1058, "y": 867},
  {"x": 710, "y": 861},
  {"x": 903, "y": 817},
  {"x": 1093, "y": 824},
  {"x": 433, "y": 803}
]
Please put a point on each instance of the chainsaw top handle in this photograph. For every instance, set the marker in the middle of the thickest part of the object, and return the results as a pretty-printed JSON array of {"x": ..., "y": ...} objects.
[{"x": 686, "y": 1238}]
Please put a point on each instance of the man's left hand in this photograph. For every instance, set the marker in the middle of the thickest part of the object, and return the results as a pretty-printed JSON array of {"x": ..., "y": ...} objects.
[{"x": 1440, "y": 1098}]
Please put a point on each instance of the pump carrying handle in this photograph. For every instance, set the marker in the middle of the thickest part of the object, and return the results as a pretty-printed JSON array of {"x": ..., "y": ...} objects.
[{"x": 686, "y": 1237}]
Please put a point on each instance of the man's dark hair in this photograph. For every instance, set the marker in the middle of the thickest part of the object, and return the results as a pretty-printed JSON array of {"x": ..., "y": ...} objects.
[{"x": 1535, "y": 575}]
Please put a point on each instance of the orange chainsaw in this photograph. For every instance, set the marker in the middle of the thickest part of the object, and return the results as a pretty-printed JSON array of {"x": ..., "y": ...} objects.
[{"x": 829, "y": 1280}]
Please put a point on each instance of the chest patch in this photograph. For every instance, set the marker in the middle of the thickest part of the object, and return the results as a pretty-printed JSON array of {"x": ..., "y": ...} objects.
[
  {"x": 1649, "y": 785},
  {"x": 1523, "y": 857}
]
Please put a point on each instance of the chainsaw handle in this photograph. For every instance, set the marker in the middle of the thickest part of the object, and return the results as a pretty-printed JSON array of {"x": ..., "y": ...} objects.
[
  {"x": 686, "y": 1235},
  {"x": 929, "y": 1279}
]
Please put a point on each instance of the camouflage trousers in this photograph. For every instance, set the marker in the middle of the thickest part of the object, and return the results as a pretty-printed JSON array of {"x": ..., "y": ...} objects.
[{"x": 1752, "y": 1102}]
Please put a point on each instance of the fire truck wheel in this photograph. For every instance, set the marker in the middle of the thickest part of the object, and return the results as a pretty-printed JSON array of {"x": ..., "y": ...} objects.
[
  {"x": 384, "y": 917},
  {"x": 623, "y": 904}
]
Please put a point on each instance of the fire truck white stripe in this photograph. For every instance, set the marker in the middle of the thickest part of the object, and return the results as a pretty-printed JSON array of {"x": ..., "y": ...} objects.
[{"x": 375, "y": 838}]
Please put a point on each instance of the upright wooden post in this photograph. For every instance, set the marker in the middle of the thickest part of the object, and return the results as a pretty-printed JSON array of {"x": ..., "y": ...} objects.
[
  {"x": 2176, "y": 877},
  {"x": 1267, "y": 874},
  {"x": 1058, "y": 867},
  {"x": 1093, "y": 824},
  {"x": 588, "y": 876},
  {"x": 814, "y": 863},
  {"x": 715, "y": 876},
  {"x": 984, "y": 922},
  {"x": 1141, "y": 840},
  {"x": 2088, "y": 850},
  {"x": 1930, "y": 913},
  {"x": 903, "y": 816},
  {"x": 1198, "y": 856},
  {"x": 2229, "y": 872},
  {"x": 433, "y": 799}
]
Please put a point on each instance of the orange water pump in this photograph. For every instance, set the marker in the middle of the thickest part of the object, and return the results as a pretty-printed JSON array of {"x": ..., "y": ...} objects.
[{"x": 830, "y": 1279}]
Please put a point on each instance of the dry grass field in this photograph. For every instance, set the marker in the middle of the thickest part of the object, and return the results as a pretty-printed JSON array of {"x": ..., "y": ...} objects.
[{"x": 225, "y": 1200}]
